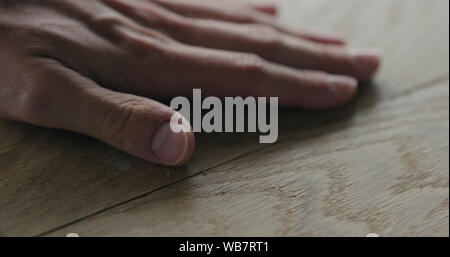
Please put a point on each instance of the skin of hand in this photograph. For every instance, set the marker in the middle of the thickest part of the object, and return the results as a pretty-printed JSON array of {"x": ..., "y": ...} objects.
[{"x": 93, "y": 66}]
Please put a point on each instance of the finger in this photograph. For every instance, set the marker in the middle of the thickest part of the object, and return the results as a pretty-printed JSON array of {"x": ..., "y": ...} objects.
[
  {"x": 280, "y": 48},
  {"x": 159, "y": 68},
  {"x": 60, "y": 98},
  {"x": 224, "y": 73},
  {"x": 264, "y": 41},
  {"x": 238, "y": 13}
]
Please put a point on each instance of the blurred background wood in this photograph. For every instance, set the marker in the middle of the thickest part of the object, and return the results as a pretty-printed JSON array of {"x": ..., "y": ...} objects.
[{"x": 378, "y": 165}]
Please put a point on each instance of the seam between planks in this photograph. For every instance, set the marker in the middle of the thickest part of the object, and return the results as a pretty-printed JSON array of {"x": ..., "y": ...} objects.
[{"x": 414, "y": 89}]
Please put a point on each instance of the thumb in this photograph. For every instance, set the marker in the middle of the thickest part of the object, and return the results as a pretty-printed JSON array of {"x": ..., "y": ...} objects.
[{"x": 133, "y": 124}]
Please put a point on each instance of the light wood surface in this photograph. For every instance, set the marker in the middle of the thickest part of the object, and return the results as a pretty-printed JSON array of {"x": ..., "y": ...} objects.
[{"x": 379, "y": 165}]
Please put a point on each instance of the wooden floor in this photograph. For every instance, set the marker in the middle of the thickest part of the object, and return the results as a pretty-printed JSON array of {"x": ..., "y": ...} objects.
[{"x": 379, "y": 165}]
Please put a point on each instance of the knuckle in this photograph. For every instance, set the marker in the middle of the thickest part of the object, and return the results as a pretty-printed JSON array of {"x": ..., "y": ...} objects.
[
  {"x": 153, "y": 46},
  {"x": 106, "y": 21},
  {"x": 121, "y": 123},
  {"x": 114, "y": 28},
  {"x": 159, "y": 17},
  {"x": 264, "y": 35},
  {"x": 249, "y": 62},
  {"x": 111, "y": 26}
]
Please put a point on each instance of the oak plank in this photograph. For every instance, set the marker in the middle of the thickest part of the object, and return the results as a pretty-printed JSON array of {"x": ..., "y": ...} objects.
[
  {"x": 49, "y": 178},
  {"x": 386, "y": 171},
  {"x": 412, "y": 34}
]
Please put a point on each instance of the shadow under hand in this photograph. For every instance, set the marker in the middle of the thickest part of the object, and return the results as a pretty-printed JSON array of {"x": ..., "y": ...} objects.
[
  {"x": 295, "y": 120},
  {"x": 65, "y": 176},
  {"x": 292, "y": 121}
]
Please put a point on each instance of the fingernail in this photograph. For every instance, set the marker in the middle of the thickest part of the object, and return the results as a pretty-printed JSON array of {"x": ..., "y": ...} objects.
[
  {"x": 169, "y": 147},
  {"x": 342, "y": 86},
  {"x": 366, "y": 61},
  {"x": 342, "y": 89},
  {"x": 336, "y": 91},
  {"x": 268, "y": 6}
]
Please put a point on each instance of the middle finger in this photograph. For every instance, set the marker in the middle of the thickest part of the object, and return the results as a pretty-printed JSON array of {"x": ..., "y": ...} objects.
[{"x": 258, "y": 39}]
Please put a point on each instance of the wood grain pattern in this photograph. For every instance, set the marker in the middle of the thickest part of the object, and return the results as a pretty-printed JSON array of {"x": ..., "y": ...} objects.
[
  {"x": 50, "y": 179},
  {"x": 386, "y": 173}
]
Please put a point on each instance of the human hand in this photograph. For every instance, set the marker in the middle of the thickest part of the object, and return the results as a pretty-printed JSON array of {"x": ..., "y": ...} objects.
[{"x": 94, "y": 66}]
